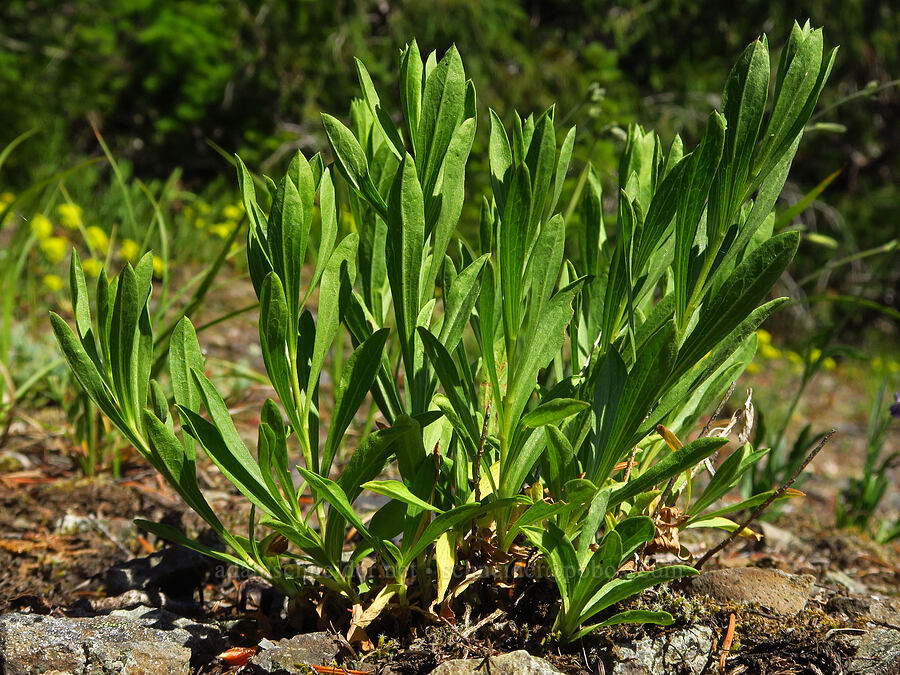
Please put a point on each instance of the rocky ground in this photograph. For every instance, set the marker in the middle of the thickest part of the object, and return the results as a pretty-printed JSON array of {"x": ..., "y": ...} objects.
[{"x": 83, "y": 591}]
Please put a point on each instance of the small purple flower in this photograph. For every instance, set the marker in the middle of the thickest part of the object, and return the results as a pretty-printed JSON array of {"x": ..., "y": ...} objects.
[{"x": 895, "y": 409}]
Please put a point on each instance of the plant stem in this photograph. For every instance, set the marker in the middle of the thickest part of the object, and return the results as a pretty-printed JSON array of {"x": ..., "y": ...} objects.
[{"x": 766, "y": 504}]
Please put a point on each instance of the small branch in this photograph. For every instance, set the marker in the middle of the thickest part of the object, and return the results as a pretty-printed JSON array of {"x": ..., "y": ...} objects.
[
  {"x": 766, "y": 504},
  {"x": 477, "y": 470},
  {"x": 718, "y": 411}
]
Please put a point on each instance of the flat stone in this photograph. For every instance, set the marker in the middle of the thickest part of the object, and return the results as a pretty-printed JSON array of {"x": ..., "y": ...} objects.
[
  {"x": 779, "y": 539},
  {"x": 844, "y": 581},
  {"x": 297, "y": 654},
  {"x": 685, "y": 651},
  {"x": 141, "y": 641},
  {"x": 879, "y": 609},
  {"x": 878, "y": 653},
  {"x": 773, "y": 589},
  {"x": 515, "y": 663}
]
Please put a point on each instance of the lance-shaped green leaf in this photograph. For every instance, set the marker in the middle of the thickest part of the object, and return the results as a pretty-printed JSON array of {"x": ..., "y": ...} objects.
[
  {"x": 185, "y": 355},
  {"x": 672, "y": 464},
  {"x": 696, "y": 181},
  {"x": 632, "y": 584},
  {"x": 273, "y": 338},
  {"x": 329, "y": 227},
  {"x": 751, "y": 280},
  {"x": 643, "y": 388},
  {"x": 513, "y": 243},
  {"x": 78, "y": 288},
  {"x": 351, "y": 162},
  {"x": 398, "y": 491},
  {"x": 123, "y": 328},
  {"x": 327, "y": 489},
  {"x": 342, "y": 263},
  {"x": 553, "y": 411},
  {"x": 600, "y": 568},
  {"x": 591, "y": 234},
  {"x": 405, "y": 242},
  {"x": 725, "y": 478},
  {"x": 543, "y": 269},
  {"x": 688, "y": 374},
  {"x": 460, "y": 303},
  {"x": 501, "y": 159},
  {"x": 236, "y": 463},
  {"x": 540, "y": 159},
  {"x": 258, "y": 257},
  {"x": 176, "y": 536},
  {"x": 444, "y": 522},
  {"x": 411, "y": 92},
  {"x": 560, "y": 556},
  {"x": 443, "y": 104},
  {"x": 87, "y": 374},
  {"x": 443, "y": 209},
  {"x": 590, "y": 524},
  {"x": 540, "y": 347},
  {"x": 287, "y": 243},
  {"x": 357, "y": 378},
  {"x": 743, "y": 104},
  {"x": 562, "y": 168},
  {"x": 395, "y": 143}
]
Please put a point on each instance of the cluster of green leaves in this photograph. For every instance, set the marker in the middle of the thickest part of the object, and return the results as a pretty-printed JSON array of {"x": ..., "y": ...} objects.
[
  {"x": 859, "y": 501},
  {"x": 538, "y": 424}
]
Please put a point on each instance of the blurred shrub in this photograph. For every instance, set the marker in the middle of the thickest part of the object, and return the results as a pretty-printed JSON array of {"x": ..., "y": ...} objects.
[{"x": 252, "y": 75}]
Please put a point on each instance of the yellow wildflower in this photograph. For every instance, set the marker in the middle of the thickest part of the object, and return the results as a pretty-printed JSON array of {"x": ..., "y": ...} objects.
[
  {"x": 7, "y": 198},
  {"x": 199, "y": 223},
  {"x": 97, "y": 239},
  {"x": 221, "y": 230},
  {"x": 829, "y": 363},
  {"x": 41, "y": 226},
  {"x": 52, "y": 282},
  {"x": 70, "y": 215},
  {"x": 129, "y": 250},
  {"x": 764, "y": 336},
  {"x": 894, "y": 367},
  {"x": 202, "y": 207},
  {"x": 232, "y": 212},
  {"x": 159, "y": 266},
  {"x": 752, "y": 368},
  {"x": 767, "y": 351},
  {"x": 794, "y": 358},
  {"x": 92, "y": 267},
  {"x": 54, "y": 249}
]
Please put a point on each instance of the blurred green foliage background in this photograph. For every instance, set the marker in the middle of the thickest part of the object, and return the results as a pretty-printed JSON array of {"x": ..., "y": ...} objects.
[{"x": 161, "y": 77}]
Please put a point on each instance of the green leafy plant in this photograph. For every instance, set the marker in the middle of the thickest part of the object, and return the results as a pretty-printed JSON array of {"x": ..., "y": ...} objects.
[
  {"x": 857, "y": 504},
  {"x": 520, "y": 390}
]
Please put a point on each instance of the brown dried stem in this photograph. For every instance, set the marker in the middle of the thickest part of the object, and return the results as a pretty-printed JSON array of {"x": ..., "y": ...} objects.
[{"x": 766, "y": 504}]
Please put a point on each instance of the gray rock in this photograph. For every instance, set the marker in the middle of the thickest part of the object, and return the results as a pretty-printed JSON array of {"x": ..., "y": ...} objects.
[
  {"x": 685, "y": 651},
  {"x": 878, "y": 653},
  {"x": 514, "y": 663},
  {"x": 779, "y": 539},
  {"x": 773, "y": 589},
  {"x": 842, "y": 580},
  {"x": 297, "y": 654},
  {"x": 143, "y": 641}
]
